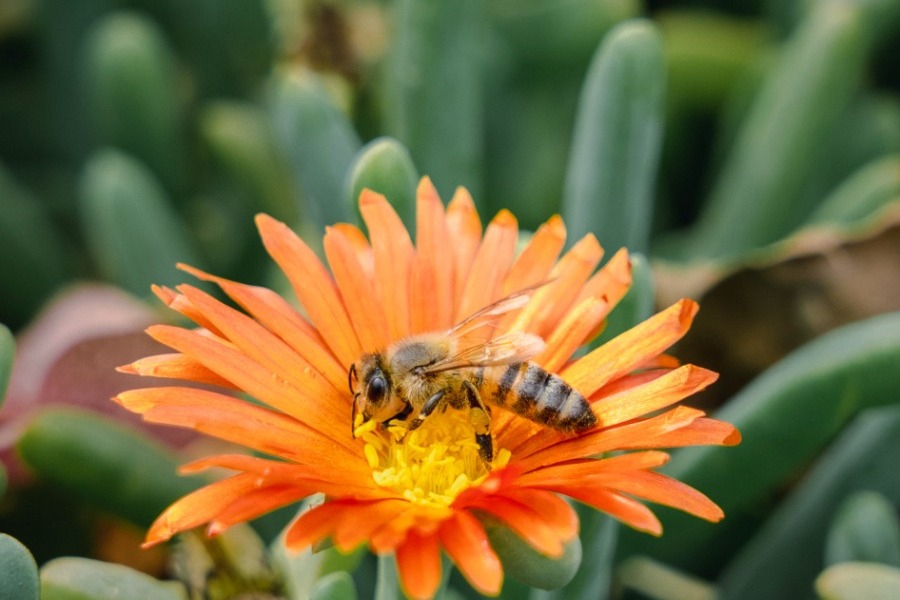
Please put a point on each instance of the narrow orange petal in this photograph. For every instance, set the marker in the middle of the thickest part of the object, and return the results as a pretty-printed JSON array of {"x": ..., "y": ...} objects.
[
  {"x": 572, "y": 473},
  {"x": 419, "y": 565},
  {"x": 359, "y": 296},
  {"x": 571, "y": 333},
  {"x": 182, "y": 305},
  {"x": 258, "y": 502},
  {"x": 629, "y": 511},
  {"x": 627, "y": 351},
  {"x": 465, "y": 540},
  {"x": 550, "y": 303},
  {"x": 537, "y": 259},
  {"x": 659, "y": 393},
  {"x": 432, "y": 292},
  {"x": 546, "y": 450},
  {"x": 555, "y": 512},
  {"x": 198, "y": 507},
  {"x": 524, "y": 521},
  {"x": 611, "y": 281},
  {"x": 700, "y": 432},
  {"x": 394, "y": 254},
  {"x": 175, "y": 366},
  {"x": 662, "y": 490},
  {"x": 323, "y": 476},
  {"x": 282, "y": 319},
  {"x": 240, "y": 422},
  {"x": 465, "y": 231},
  {"x": 354, "y": 529},
  {"x": 490, "y": 265},
  {"x": 313, "y": 286},
  {"x": 317, "y": 523},
  {"x": 325, "y": 410}
]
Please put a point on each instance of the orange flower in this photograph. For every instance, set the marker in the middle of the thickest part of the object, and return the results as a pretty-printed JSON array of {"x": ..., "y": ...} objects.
[{"x": 415, "y": 492}]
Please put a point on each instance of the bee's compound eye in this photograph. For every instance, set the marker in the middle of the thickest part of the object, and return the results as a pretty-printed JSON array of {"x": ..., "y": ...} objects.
[{"x": 376, "y": 389}]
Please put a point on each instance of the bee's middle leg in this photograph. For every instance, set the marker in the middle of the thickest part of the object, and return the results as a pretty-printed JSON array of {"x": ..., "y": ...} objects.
[{"x": 480, "y": 418}]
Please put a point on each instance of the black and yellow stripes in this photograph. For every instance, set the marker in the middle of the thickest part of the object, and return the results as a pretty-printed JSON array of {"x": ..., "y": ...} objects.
[{"x": 528, "y": 390}]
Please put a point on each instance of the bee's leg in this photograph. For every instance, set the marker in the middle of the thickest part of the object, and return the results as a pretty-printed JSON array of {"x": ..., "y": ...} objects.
[
  {"x": 427, "y": 408},
  {"x": 480, "y": 418},
  {"x": 400, "y": 416}
]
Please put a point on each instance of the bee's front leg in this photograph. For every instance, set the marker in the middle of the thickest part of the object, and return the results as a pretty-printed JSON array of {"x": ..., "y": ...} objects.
[{"x": 430, "y": 405}]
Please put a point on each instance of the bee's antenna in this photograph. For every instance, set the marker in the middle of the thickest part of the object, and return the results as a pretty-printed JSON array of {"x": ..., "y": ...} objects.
[{"x": 353, "y": 415}]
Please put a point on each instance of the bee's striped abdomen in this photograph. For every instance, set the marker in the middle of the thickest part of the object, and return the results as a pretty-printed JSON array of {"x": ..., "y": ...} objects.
[{"x": 528, "y": 390}]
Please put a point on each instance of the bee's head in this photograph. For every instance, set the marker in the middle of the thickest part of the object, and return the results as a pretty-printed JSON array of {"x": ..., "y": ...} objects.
[{"x": 370, "y": 384}]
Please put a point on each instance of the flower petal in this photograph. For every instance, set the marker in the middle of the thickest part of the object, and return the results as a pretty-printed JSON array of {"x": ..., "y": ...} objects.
[
  {"x": 419, "y": 565},
  {"x": 611, "y": 281},
  {"x": 641, "y": 434},
  {"x": 573, "y": 330},
  {"x": 394, "y": 254},
  {"x": 662, "y": 490},
  {"x": 537, "y": 259},
  {"x": 525, "y": 521},
  {"x": 550, "y": 302},
  {"x": 241, "y": 422},
  {"x": 175, "y": 366},
  {"x": 359, "y": 296},
  {"x": 282, "y": 319},
  {"x": 631, "y": 349},
  {"x": 323, "y": 410},
  {"x": 465, "y": 540},
  {"x": 490, "y": 265},
  {"x": 432, "y": 290},
  {"x": 313, "y": 286},
  {"x": 198, "y": 507},
  {"x": 465, "y": 232},
  {"x": 653, "y": 395},
  {"x": 623, "y": 508}
]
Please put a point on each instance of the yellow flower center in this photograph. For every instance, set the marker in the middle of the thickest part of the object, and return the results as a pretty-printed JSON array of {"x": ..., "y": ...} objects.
[{"x": 431, "y": 465}]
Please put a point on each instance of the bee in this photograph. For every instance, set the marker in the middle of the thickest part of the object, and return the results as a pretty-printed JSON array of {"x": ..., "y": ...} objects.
[{"x": 467, "y": 369}]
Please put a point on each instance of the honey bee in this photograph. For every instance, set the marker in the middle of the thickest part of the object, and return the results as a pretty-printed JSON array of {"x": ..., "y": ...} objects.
[{"x": 467, "y": 369}]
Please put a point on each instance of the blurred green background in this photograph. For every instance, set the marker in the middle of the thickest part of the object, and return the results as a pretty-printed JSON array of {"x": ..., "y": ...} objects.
[{"x": 748, "y": 152}]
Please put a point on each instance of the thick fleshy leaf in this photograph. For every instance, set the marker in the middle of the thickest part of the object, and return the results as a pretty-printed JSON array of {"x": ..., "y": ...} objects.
[
  {"x": 833, "y": 378},
  {"x": 20, "y": 573},
  {"x": 134, "y": 234},
  {"x": 131, "y": 82},
  {"x": 103, "y": 462},
  {"x": 858, "y": 581},
  {"x": 385, "y": 166},
  {"x": 655, "y": 580},
  {"x": 334, "y": 586},
  {"x": 866, "y": 529},
  {"x": 862, "y": 195},
  {"x": 74, "y": 578},
  {"x": 7, "y": 355},
  {"x": 618, "y": 137},
  {"x": 800, "y": 101},
  {"x": 433, "y": 97},
  {"x": 318, "y": 141},
  {"x": 241, "y": 143},
  {"x": 33, "y": 259},
  {"x": 784, "y": 557},
  {"x": 522, "y": 562}
]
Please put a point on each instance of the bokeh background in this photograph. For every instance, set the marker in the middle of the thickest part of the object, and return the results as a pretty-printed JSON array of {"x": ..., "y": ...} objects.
[{"x": 747, "y": 151}]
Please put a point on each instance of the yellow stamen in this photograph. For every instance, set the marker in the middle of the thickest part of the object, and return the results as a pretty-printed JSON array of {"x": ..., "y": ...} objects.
[{"x": 431, "y": 465}]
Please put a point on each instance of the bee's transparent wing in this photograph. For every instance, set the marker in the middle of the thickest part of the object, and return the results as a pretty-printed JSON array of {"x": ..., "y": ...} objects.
[{"x": 513, "y": 347}]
